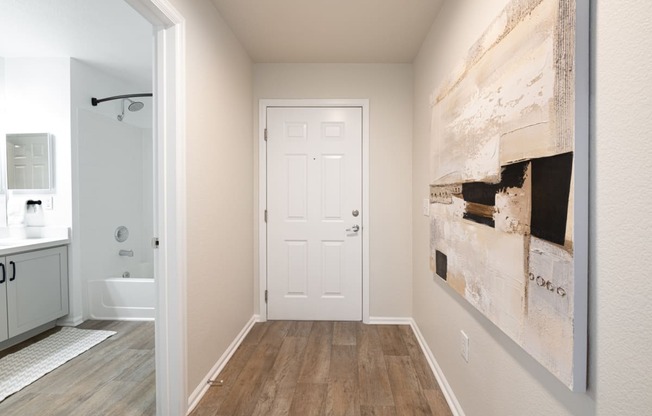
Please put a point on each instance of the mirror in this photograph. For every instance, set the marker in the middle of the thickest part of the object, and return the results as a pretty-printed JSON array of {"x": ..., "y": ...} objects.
[{"x": 29, "y": 162}]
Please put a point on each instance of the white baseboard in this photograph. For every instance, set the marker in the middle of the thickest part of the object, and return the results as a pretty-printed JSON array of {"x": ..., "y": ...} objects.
[
  {"x": 386, "y": 320},
  {"x": 446, "y": 389},
  {"x": 202, "y": 388}
]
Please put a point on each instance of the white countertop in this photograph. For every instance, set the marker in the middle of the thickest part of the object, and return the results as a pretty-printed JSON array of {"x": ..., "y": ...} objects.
[{"x": 10, "y": 246}]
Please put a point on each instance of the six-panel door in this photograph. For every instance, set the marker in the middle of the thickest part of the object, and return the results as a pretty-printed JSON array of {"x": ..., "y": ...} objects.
[{"x": 314, "y": 202}]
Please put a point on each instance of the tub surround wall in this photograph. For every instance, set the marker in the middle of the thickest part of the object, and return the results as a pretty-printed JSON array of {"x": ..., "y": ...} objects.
[
  {"x": 93, "y": 212},
  {"x": 111, "y": 157}
]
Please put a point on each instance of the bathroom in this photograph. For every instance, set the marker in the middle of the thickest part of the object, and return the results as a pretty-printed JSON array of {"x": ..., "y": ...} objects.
[{"x": 98, "y": 195}]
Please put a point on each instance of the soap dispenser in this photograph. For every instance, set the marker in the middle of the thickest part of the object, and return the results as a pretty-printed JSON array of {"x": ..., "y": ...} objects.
[{"x": 34, "y": 214}]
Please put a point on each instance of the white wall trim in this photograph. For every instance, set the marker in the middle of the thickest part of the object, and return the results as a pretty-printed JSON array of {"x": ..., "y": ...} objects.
[
  {"x": 389, "y": 320},
  {"x": 203, "y": 386},
  {"x": 446, "y": 389},
  {"x": 262, "y": 189},
  {"x": 170, "y": 258},
  {"x": 262, "y": 205}
]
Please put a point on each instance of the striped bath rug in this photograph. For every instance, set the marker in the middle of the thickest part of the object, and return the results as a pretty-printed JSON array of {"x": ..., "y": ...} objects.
[{"x": 22, "y": 368}]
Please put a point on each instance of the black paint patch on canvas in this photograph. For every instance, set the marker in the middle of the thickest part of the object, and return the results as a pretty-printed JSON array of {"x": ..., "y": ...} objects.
[
  {"x": 441, "y": 264},
  {"x": 480, "y": 219},
  {"x": 551, "y": 179},
  {"x": 512, "y": 176},
  {"x": 480, "y": 193}
]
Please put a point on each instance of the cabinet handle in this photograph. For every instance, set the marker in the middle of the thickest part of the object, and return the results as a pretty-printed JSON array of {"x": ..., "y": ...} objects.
[
  {"x": 13, "y": 275},
  {"x": 4, "y": 273}
]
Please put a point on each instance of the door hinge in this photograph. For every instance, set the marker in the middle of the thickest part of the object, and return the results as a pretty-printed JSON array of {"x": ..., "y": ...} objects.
[
  {"x": 155, "y": 243},
  {"x": 265, "y": 295},
  {"x": 265, "y": 134},
  {"x": 265, "y": 215}
]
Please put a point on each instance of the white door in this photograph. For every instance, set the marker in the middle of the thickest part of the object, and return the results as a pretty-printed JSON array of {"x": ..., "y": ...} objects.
[{"x": 314, "y": 205}]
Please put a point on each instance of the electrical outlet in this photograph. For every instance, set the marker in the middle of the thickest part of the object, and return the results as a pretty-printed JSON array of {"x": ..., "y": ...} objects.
[
  {"x": 426, "y": 207},
  {"x": 47, "y": 203},
  {"x": 464, "y": 347}
]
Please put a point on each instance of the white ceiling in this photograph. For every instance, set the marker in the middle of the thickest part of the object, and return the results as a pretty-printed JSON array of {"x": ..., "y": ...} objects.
[
  {"x": 107, "y": 34},
  {"x": 336, "y": 31},
  {"x": 111, "y": 36}
]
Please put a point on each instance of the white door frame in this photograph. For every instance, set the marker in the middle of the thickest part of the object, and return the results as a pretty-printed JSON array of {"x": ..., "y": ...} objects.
[
  {"x": 262, "y": 190},
  {"x": 170, "y": 259}
]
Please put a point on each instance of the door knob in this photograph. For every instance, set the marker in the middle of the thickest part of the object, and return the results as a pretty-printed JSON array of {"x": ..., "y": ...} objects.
[{"x": 354, "y": 229}]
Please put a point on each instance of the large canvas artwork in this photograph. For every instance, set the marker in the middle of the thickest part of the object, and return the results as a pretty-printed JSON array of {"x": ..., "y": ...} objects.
[{"x": 508, "y": 175}]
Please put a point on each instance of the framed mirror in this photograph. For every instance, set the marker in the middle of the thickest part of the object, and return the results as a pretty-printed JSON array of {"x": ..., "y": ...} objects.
[{"x": 29, "y": 162}]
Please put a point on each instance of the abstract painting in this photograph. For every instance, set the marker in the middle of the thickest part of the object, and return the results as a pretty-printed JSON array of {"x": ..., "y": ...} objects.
[{"x": 508, "y": 183}]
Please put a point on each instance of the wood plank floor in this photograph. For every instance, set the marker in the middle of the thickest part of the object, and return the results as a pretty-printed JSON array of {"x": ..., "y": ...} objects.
[
  {"x": 326, "y": 368},
  {"x": 116, "y": 377}
]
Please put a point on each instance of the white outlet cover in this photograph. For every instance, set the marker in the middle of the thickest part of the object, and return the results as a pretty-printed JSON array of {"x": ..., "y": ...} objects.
[
  {"x": 464, "y": 347},
  {"x": 47, "y": 203},
  {"x": 426, "y": 207}
]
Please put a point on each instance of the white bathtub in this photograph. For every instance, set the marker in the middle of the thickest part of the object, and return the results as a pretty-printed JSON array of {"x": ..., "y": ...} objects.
[{"x": 126, "y": 299}]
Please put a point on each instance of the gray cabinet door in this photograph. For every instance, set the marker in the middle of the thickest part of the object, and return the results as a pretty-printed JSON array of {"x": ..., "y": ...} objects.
[
  {"x": 4, "y": 332},
  {"x": 37, "y": 288}
]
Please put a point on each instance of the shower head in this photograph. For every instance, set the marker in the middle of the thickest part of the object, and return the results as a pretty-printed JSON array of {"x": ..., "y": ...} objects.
[{"x": 135, "y": 105}]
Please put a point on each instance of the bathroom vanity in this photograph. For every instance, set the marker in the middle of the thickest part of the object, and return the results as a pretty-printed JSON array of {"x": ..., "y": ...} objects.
[{"x": 33, "y": 285}]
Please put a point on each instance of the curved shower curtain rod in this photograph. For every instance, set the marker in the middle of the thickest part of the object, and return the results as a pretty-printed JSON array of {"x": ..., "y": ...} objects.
[{"x": 96, "y": 101}]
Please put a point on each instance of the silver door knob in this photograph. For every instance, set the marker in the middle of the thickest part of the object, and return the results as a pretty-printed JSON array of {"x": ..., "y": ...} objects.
[{"x": 354, "y": 229}]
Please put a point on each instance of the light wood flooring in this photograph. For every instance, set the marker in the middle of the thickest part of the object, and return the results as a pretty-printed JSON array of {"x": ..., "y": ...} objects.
[
  {"x": 326, "y": 368},
  {"x": 115, "y": 377}
]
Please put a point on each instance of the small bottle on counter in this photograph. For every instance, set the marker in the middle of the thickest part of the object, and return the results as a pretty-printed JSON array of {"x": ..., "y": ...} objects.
[{"x": 34, "y": 214}]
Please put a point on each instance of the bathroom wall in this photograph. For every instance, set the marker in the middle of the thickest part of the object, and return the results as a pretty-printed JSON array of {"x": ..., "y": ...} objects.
[
  {"x": 3, "y": 131},
  {"x": 37, "y": 92},
  {"x": 46, "y": 95},
  {"x": 112, "y": 181}
]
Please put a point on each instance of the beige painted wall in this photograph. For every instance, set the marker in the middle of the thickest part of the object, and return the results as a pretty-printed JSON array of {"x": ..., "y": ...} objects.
[
  {"x": 219, "y": 182},
  {"x": 501, "y": 379},
  {"x": 389, "y": 90}
]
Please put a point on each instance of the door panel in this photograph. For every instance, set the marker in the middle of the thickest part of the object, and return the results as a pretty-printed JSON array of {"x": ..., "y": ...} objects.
[
  {"x": 296, "y": 173},
  {"x": 314, "y": 183}
]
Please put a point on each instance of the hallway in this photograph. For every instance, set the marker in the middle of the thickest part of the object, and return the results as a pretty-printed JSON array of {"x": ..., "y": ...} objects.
[{"x": 326, "y": 368}]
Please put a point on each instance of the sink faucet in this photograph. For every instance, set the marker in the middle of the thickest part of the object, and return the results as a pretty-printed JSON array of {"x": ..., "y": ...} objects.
[{"x": 128, "y": 253}]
